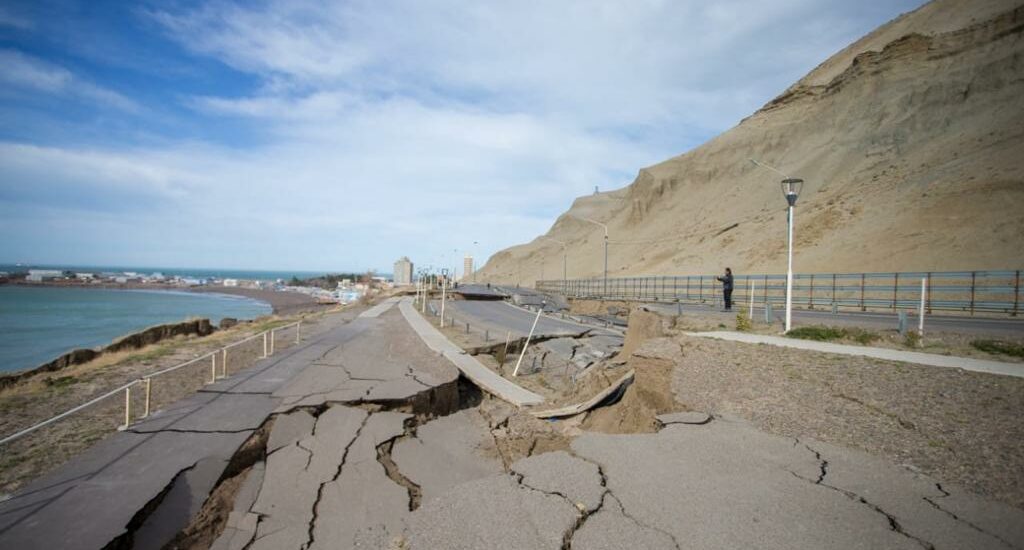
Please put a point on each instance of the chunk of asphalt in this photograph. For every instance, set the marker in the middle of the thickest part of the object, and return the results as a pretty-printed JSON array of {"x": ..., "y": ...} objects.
[
  {"x": 289, "y": 428},
  {"x": 563, "y": 474},
  {"x": 686, "y": 417},
  {"x": 447, "y": 451},
  {"x": 729, "y": 485},
  {"x": 494, "y": 513},
  {"x": 609, "y": 529},
  {"x": 180, "y": 504},
  {"x": 238, "y": 532}
]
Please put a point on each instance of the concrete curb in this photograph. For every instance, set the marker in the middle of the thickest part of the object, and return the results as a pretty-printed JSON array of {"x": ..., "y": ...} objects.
[
  {"x": 482, "y": 376},
  {"x": 915, "y": 357}
]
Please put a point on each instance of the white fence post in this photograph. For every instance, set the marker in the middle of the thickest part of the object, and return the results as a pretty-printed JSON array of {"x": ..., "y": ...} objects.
[
  {"x": 149, "y": 389},
  {"x": 920, "y": 320},
  {"x": 515, "y": 372}
]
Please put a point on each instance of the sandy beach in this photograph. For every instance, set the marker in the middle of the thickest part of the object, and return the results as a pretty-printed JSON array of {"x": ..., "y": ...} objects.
[{"x": 284, "y": 303}]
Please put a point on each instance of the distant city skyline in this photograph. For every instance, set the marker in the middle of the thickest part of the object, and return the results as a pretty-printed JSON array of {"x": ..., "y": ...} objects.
[{"x": 338, "y": 136}]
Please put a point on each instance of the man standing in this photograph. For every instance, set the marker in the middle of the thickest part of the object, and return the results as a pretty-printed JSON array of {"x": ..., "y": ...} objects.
[{"x": 727, "y": 288}]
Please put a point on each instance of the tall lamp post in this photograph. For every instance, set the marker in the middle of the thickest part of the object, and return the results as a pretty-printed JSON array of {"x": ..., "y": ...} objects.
[
  {"x": 791, "y": 188},
  {"x": 605, "y": 291},
  {"x": 564, "y": 256}
]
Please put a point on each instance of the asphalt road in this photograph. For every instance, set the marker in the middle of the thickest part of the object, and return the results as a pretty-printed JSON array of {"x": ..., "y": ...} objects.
[
  {"x": 499, "y": 317},
  {"x": 999, "y": 327}
]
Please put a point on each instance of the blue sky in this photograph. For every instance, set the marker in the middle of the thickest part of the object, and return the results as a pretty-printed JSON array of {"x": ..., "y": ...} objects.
[{"x": 342, "y": 135}]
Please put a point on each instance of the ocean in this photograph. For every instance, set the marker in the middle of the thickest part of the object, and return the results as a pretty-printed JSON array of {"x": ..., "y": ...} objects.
[
  {"x": 38, "y": 324},
  {"x": 198, "y": 273}
]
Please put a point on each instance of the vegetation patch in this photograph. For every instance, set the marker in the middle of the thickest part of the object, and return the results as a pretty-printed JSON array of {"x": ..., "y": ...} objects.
[
  {"x": 828, "y": 334},
  {"x": 999, "y": 347}
]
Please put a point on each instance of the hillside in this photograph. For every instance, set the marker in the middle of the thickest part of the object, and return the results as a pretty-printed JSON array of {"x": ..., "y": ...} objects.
[{"x": 911, "y": 143}]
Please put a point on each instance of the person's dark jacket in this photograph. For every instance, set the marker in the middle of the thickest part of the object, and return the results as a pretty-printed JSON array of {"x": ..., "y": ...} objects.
[{"x": 726, "y": 281}]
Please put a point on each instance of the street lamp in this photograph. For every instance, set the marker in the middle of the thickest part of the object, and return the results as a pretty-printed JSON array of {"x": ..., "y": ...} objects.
[
  {"x": 605, "y": 291},
  {"x": 791, "y": 188},
  {"x": 564, "y": 255}
]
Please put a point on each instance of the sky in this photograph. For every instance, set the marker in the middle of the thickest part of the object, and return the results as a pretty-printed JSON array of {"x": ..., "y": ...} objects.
[{"x": 343, "y": 135}]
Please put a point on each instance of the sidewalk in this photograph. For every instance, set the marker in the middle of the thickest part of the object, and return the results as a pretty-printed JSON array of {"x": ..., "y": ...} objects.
[
  {"x": 930, "y": 359},
  {"x": 470, "y": 367}
]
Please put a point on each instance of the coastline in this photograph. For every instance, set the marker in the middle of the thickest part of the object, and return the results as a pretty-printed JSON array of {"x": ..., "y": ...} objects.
[{"x": 281, "y": 303}]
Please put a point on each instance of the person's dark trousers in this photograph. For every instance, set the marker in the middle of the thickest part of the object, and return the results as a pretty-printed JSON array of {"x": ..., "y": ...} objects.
[{"x": 728, "y": 298}]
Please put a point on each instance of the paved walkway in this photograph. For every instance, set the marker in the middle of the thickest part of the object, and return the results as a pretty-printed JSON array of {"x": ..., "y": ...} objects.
[
  {"x": 90, "y": 501},
  {"x": 482, "y": 376},
  {"x": 930, "y": 359}
]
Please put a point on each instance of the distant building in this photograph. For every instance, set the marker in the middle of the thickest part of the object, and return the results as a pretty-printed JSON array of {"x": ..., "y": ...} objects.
[
  {"x": 40, "y": 275},
  {"x": 230, "y": 282},
  {"x": 403, "y": 271},
  {"x": 467, "y": 268}
]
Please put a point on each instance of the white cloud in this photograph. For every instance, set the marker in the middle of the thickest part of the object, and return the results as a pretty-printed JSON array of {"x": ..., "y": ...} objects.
[
  {"x": 388, "y": 128},
  {"x": 25, "y": 71}
]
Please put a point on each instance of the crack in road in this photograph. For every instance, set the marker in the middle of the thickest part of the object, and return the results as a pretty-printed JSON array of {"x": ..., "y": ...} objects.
[
  {"x": 337, "y": 474},
  {"x": 894, "y": 524},
  {"x": 970, "y": 524},
  {"x": 394, "y": 473}
]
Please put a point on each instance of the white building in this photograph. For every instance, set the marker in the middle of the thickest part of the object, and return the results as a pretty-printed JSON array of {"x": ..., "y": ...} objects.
[
  {"x": 230, "y": 282},
  {"x": 40, "y": 275},
  {"x": 467, "y": 268},
  {"x": 403, "y": 271}
]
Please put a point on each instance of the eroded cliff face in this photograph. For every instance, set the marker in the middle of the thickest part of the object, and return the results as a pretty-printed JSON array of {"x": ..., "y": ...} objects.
[{"x": 910, "y": 144}]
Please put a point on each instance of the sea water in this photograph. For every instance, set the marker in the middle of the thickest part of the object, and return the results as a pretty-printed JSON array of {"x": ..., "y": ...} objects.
[{"x": 38, "y": 324}]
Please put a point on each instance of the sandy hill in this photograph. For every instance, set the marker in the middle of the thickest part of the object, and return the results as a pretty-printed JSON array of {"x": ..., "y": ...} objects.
[{"x": 910, "y": 142}]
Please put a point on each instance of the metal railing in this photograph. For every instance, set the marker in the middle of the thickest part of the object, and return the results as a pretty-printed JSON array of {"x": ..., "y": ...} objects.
[
  {"x": 987, "y": 292},
  {"x": 218, "y": 370}
]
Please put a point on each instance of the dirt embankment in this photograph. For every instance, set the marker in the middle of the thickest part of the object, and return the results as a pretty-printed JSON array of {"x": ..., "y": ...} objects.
[{"x": 133, "y": 341}]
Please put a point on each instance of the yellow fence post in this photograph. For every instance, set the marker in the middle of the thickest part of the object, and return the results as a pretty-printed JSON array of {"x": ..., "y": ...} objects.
[{"x": 127, "y": 408}]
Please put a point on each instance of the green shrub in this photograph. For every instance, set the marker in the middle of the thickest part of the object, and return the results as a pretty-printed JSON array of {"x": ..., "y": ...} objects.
[
  {"x": 743, "y": 323},
  {"x": 827, "y": 334},
  {"x": 999, "y": 347},
  {"x": 822, "y": 334},
  {"x": 912, "y": 339}
]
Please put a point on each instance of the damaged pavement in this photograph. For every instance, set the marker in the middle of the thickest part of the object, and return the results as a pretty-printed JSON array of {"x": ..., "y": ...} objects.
[{"x": 365, "y": 438}]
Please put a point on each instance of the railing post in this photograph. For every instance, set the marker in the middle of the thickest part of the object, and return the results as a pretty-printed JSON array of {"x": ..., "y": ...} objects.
[
  {"x": 811, "y": 306},
  {"x": 974, "y": 276},
  {"x": 862, "y": 308},
  {"x": 928, "y": 297},
  {"x": 213, "y": 367},
  {"x": 224, "y": 364},
  {"x": 273, "y": 334},
  {"x": 264, "y": 345},
  {"x": 127, "y": 408},
  {"x": 766, "y": 288},
  {"x": 1016, "y": 293},
  {"x": 895, "y": 289},
  {"x": 834, "y": 302},
  {"x": 298, "y": 327},
  {"x": 149, "y": 390}
]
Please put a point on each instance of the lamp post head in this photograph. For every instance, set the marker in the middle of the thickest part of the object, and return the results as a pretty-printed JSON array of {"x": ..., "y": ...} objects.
[{"x": 791, "y": 188}]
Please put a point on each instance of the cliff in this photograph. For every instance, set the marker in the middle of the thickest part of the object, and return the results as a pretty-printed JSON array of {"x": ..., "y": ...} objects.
[{"x": 909, "y": 141}]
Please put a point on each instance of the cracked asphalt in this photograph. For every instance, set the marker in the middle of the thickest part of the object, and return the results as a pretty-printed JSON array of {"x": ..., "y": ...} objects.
[{"x": 372, "y": 443}]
